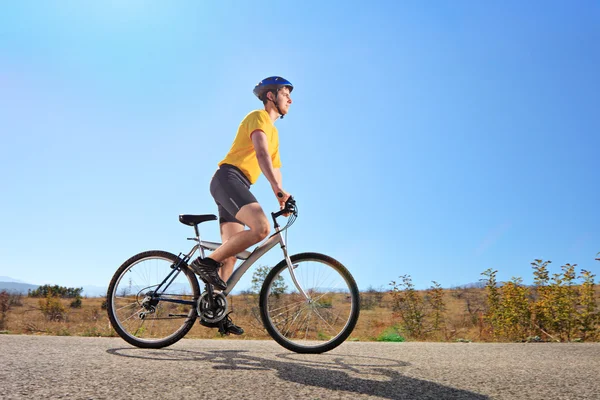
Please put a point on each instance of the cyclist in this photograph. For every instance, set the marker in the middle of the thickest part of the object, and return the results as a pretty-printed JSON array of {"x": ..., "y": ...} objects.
[{"x": 255, "y": 149}]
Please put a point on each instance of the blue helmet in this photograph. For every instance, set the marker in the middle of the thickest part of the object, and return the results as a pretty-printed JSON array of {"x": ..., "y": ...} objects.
[{"x": 271, "y": 83}]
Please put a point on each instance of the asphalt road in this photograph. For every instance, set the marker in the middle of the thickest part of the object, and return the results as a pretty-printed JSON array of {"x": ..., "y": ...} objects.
[{"x": 46, "y": 367}]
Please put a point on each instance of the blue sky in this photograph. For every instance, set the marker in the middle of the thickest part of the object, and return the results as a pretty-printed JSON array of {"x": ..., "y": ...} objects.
[{"x": 432, "y": 139}]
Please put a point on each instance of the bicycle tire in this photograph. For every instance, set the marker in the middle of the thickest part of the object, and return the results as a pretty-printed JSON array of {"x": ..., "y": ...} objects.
[
  {"x": 325, "y": 303},
  {"x": 164, "y": 260}
]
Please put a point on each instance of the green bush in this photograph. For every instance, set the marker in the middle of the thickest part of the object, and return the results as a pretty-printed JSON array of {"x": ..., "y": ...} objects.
[{"x": 391, "y": 334}]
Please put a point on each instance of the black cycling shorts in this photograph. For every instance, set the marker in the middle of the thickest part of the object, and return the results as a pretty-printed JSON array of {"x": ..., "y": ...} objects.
[{"x": 231, "y": 190}]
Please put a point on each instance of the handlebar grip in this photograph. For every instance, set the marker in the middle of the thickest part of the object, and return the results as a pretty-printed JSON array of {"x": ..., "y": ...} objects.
[{"x": 289, "y": 207}]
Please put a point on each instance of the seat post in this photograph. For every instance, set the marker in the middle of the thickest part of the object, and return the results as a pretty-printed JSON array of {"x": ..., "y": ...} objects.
[{"x": 199, "y": 240}]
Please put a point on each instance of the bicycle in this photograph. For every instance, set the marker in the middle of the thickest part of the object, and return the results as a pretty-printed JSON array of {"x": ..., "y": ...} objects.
[{"x": 309, "y": 302}]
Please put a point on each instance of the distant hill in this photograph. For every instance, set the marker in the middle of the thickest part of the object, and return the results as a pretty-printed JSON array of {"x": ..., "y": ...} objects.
[
  {"x": 17, "y": 287},
  {"x": 9, "y": 279}
]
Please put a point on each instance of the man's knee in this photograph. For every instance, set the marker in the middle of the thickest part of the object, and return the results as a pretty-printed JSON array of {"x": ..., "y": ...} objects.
[
  {"x": 254, "y": 217},
  {"x": 262, "y": 230}
]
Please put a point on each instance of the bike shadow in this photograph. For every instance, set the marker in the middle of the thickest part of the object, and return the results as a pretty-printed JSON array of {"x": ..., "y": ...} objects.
[{"x": 373, "y": 376}]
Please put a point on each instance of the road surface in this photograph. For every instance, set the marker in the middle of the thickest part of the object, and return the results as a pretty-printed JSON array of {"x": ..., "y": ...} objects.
[{"x": 46, "y": 367}]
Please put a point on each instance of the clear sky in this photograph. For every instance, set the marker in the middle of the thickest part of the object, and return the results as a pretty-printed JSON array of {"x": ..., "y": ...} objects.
[{"x": 436, "y": 139}]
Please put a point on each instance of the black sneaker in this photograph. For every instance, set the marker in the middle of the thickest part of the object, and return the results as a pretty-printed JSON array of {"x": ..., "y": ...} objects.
[
  {"x": 206, "y": 269},
  {"x": 226, "y": 326}
]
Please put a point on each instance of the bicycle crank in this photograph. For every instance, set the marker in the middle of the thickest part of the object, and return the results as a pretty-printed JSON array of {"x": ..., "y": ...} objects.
[{"x": 216, "y": 314}]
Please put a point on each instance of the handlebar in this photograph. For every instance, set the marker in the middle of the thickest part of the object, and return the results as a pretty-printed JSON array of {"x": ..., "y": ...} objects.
[{"x": 290, "y": 209}]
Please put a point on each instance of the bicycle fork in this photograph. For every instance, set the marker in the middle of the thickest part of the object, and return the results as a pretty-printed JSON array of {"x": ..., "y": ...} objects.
[{"x": 291, "y": 266}]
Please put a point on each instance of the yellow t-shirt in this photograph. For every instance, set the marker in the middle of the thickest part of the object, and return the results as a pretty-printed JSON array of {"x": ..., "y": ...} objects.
[{"x": 242, "y": 153}]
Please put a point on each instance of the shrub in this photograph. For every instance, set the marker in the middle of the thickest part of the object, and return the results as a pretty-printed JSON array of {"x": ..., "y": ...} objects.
[
  {"x": 589, "y": 317},
  {"x": 391, "y": 334},
  {"x": 555, "y": 307},
  {"x": 409, "y": 306},
  {"x": 371, "y": 298},
  {"x": 52, "y": 308},
  {"x": 420, "y": 315},
  {"x": 4, "y": 307},
  {"x": 15, "y": 300},
  {"x": 514, "y": 314},
  {"x": 58, "y": 291},
  {"x": 258, "y": 277},
  {"x": 435, "y": 298},
  {"x": 63, "y": 332},
  {"x": 76, "y": 303}
]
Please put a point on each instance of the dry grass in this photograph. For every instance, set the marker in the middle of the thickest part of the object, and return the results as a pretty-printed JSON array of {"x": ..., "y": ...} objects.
[
  {"x": 92, "y": 320},
  {"x": 462, "y": 318}
]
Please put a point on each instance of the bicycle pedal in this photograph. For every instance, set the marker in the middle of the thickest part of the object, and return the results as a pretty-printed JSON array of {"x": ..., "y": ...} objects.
[{"x": 223, "y": 331}]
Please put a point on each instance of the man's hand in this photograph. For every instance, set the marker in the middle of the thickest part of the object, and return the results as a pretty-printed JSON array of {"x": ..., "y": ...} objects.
[{"x": 282, "y": 197}]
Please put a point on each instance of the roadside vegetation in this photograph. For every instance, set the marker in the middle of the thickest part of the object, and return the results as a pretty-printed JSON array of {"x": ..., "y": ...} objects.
[{"x": 559, "y": 307}]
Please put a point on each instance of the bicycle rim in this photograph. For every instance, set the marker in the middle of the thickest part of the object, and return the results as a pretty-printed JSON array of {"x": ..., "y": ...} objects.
[
  {"x": 145, "y": 320},
  {"x": 319, "y": 323}
]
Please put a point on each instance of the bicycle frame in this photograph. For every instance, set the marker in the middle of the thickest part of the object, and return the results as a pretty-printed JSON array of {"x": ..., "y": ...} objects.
[{"x": 248, "y": 258}]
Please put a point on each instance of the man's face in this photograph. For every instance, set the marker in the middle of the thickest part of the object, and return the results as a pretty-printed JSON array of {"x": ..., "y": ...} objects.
[{"x": 284, "y": 100}]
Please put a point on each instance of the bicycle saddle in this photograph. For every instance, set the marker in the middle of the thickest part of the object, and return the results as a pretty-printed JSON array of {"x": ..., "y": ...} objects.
[{"x": 192, "y": 220}]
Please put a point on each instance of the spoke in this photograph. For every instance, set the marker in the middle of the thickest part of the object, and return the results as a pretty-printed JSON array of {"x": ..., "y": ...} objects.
[
  {"x": 320, "y": 297},
  {"x": 132, "y": 315},
  {"x": 125, "y": 306},
  {"x": 320, "y": 316},
  {"x": 139, "y": 328},
  {"x": 292, "y": 313},
  {"x": 306, "y": 319},
  {"x": 149, "y": 331},
  {"x": 289, "y": 305},
  {"x": 290, "y": 325},
  {"x": 307, "y": 326}
]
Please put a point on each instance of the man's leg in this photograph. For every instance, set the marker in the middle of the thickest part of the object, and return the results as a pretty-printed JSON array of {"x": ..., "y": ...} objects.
[
  {"x": 254, "y": 217},
  {"x": 251, "y": 215},
  {"x": 228, "y": 229},
  {"x": 235, "y": 240}
]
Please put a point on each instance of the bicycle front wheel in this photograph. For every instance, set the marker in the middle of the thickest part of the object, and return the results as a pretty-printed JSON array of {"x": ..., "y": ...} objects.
[
  {"x": 151, "y": 303},
  {"x": 319, "y": 321}
]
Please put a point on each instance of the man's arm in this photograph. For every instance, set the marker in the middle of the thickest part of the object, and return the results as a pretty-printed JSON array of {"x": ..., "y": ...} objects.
[
  {"x": 273, "y": 175},
  {"x": 278, "y": 177}
]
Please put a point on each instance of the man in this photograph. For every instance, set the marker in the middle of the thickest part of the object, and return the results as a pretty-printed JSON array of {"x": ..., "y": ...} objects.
[{"x": 255, "y": 150}]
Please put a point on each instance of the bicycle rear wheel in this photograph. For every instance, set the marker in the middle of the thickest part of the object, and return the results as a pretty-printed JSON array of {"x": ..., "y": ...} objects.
[
  {"x": 319, "y": 323},
  {"x": 144, "y": 312}
]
